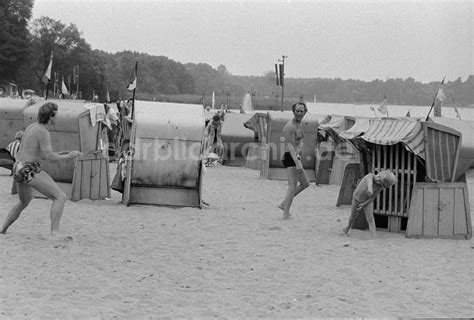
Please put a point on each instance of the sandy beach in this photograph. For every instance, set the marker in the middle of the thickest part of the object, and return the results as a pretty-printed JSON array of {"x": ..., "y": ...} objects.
[{"x": 236, "y": 258}]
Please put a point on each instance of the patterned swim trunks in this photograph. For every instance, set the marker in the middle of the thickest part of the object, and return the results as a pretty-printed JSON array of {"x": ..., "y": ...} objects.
[{"x": 24, "y": 172}]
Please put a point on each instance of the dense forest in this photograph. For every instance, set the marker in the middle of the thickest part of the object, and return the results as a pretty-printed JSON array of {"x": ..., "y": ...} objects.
[{"x": 26, "y": 46}]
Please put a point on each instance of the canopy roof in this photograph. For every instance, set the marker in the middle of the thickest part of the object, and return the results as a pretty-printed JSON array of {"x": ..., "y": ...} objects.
[{"x": 392, "y": 131}]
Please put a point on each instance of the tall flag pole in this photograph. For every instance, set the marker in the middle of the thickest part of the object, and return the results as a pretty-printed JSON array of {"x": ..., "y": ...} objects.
[
  {"x": 75, "y": 71},
  {"x": 133, "y": 86},
  {"x": 282, "y": 77},
  {"x": 47, "y": 75},
  {"x": 440, "y": 95}
]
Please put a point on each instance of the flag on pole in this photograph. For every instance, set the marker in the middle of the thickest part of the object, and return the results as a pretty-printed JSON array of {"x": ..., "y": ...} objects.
[
  {"x": 133, "y": 79},
  {"x": 282, "y": 73},
  {"x": 442, "y": 98},
  {"x": 408, "y": 115},
  {"x": 64, "y": 89},
  {"x": 440, "y": 95},
  {"x": 47, "y": 73},
  {"x": 108, "y": 95},
  {"x": 132, "y": 87},
  {"x": 458, "y": 115},
  {"x": 277, "y": 75},
  {"x": 213, "y": 99},
  {"x": 383, "y": 107}
]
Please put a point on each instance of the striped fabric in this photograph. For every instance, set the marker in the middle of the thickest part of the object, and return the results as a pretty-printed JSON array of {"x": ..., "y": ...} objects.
[
  {"x": 392, "y": 131},
  {"x": 258, "y": 123},
  {"x": 361, "y": 125},
  {"x": 13, "y": 148}
]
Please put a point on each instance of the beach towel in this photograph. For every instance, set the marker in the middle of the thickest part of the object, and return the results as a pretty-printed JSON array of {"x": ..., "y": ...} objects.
[{"x": 97, "y": 112}]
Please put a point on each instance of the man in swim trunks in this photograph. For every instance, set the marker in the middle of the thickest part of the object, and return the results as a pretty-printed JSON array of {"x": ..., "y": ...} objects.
[
  {"x": 293, "y": 134},
  {"x": 36, "y": 146}
]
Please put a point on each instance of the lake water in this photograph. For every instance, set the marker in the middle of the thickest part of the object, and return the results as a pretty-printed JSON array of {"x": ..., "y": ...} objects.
[{"x": 363, "y": 110}]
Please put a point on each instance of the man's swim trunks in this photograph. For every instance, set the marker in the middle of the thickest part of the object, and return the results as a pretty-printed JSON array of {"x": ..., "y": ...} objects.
[
  {"x": 24, "y": 172},
  {"x": 288, "y": 160}
]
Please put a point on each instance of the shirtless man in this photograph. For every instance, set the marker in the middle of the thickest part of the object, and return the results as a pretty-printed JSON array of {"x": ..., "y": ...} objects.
[
  {"x": 293, "y": 134},
  {"x": 36, "y": 145}
]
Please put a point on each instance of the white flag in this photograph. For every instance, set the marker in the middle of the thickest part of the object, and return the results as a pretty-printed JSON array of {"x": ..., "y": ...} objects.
[
  {"x": 440, "y": 95},
  {"x": 64, "y": 88},
  {"x": 47, "y": 73},
  {"x": 383, "y": 107},
  {"x": 213, "y": 99}
]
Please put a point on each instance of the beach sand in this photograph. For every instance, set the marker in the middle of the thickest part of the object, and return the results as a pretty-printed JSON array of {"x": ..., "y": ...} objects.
[{"x": 235, "y": 258}]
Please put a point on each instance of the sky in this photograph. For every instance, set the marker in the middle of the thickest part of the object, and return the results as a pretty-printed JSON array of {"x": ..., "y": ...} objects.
[{"x": 353, "y": 39}]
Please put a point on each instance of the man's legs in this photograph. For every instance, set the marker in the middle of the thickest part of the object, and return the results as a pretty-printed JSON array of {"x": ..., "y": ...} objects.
[
  {"x": 46, "y": 185},
  {"x": 303, "y": 179},
  {"x": 290, "y": 193},
  {"x": 25, "y": 196}
]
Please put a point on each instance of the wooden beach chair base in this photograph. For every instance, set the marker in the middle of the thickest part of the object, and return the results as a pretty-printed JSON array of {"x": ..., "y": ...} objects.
[
  {"x": 440, "y": 210},
  {"x": 91, "y": 178},
  {"x": 179, "y": 197}
]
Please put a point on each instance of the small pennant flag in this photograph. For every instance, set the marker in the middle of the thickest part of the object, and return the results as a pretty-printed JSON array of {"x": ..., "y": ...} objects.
[
  {"x": 457, "y": 112},
  {"x": 383, "y": 107},
  {"x": 458, "y": 115},
  {"x": 64, "y": 89},
  {"x": 440, "y": 95},
  {"x": 408, "y": 115},
  {"x": 213, "y": 100},
  {"x": 133, "y": 79},
  {"x": 442, "y": 98},
  {"x": 47, "y": 73}
]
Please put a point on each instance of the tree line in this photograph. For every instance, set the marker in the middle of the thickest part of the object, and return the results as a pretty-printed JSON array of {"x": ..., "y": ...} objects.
[{"x": 26, "y": 46}]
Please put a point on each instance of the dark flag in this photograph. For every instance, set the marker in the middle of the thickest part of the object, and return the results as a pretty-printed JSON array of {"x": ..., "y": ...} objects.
[
  {"x": 276, "y": 75},
  {"x": 282, "y": 74},
  {"x": 133, "y": 79},
  {"x": 47, "y": 75}
]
